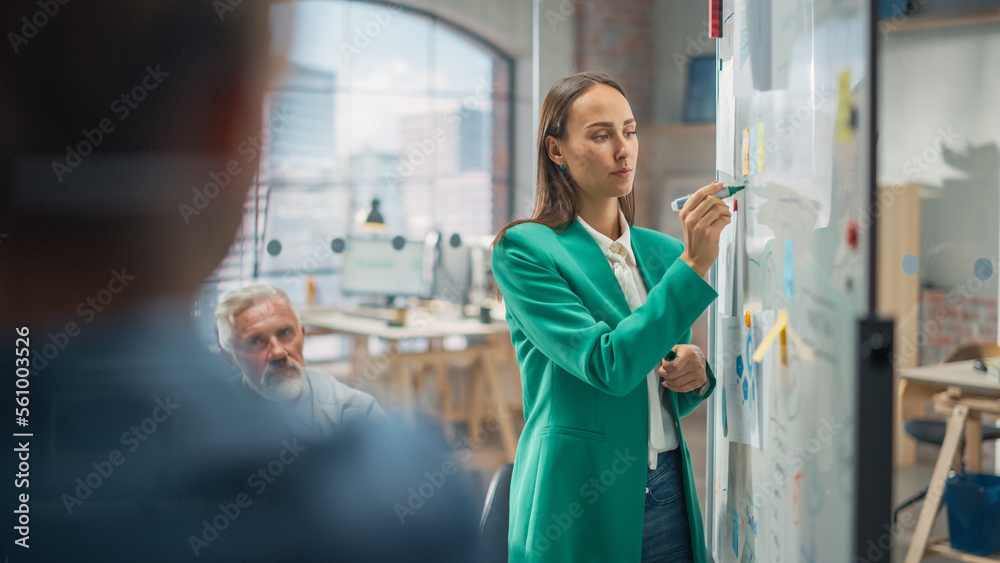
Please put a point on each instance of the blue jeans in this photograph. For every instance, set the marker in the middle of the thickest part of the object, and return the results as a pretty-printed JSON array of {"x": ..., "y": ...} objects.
[{"x": 665, "y": 533}]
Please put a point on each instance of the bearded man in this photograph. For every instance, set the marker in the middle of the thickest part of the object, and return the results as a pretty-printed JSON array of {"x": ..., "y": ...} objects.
[{"x": 262, "y": 336}]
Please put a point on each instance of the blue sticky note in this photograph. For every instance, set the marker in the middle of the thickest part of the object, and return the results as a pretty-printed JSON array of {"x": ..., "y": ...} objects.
[
  {"x": 789, "y": 268},
  {"x": 753, "y": 150},
  {"x": 736, "y": 532}
]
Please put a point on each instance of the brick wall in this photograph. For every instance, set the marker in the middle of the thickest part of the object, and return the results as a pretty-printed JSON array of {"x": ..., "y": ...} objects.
[
  {"x": 616, "y": 37},
  {"x": 952, "y": 319}
]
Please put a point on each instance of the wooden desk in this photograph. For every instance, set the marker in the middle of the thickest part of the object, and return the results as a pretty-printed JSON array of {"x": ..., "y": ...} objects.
[
  {"x": 433, "y": 325},
  {"x": 919, "y": 384},
  {"x": 954, "y": 374},
  {"x": 420, "y": 323},
  {"x": 961, "y": 409}
]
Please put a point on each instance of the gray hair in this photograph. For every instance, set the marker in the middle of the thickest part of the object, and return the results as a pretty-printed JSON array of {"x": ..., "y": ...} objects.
[{"x": 235, "y": 302}]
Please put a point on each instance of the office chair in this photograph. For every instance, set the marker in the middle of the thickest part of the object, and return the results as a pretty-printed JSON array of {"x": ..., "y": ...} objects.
[
  {"x": 933, "y": 431},
  {"x": 496, "y": 517}
]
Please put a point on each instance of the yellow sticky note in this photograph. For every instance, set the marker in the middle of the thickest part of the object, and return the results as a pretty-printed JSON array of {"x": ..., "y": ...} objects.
[
  {"x": 760, "y": 148},
  {"x": 746, "y": 152},
  {"x": 844, "y": 130},
  {"x": 777, "y": 329}
]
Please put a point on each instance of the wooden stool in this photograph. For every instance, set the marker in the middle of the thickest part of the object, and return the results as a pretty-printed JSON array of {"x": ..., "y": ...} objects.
[{"x": 966, "y": 418}]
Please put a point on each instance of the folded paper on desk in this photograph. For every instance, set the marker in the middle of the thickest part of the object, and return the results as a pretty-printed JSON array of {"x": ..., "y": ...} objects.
[{"x": 991, "y": 368}]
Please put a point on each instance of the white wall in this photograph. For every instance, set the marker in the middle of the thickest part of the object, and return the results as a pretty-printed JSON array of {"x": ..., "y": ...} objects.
[
  {"x": 940, "y": 86},
  {"x": 935, "y": 81}
]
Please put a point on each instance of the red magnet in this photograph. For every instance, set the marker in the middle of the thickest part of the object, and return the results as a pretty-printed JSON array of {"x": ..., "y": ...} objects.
[{"x": 852, "y": 235}]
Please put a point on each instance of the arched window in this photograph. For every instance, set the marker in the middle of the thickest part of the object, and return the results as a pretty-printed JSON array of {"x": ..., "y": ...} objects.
[{"x": 376, "y": 102}]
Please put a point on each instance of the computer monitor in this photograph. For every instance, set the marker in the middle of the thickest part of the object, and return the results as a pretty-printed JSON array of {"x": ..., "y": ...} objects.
[{"x": 384, "y": 267}]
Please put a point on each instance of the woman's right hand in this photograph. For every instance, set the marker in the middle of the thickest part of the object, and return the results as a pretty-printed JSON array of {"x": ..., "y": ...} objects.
[{"x": 703, "y": 216}]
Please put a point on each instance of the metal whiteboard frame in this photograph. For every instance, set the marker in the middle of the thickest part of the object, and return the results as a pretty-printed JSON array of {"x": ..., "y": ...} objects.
[{"x": 709, "y": 515}]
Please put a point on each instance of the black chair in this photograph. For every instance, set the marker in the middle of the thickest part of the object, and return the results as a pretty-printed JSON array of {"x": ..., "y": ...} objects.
[
  {"x": 933, "y": 431},
  {"x": 496, "y": 517}
]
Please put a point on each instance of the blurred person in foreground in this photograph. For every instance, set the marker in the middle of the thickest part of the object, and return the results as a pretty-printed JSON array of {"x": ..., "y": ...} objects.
[
  {"x": 262, "y": 337},
  {"x": 122, "y": 187}
]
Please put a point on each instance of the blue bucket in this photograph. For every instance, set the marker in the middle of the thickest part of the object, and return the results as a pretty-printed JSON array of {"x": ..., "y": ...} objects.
[{"x": 974, "y": 512}]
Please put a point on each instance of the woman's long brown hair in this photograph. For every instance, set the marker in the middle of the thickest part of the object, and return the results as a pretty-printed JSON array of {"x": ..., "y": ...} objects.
[{"x": 556, "y": 192}]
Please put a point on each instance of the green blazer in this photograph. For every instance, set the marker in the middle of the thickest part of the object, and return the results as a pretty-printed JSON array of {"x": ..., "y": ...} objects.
[{"x": 579, "y": 482}]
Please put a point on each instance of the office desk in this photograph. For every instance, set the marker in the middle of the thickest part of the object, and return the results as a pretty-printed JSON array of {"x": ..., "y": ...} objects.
[
  {"x": 919, "y": 384},
  {"x": 433, "y": 325}
]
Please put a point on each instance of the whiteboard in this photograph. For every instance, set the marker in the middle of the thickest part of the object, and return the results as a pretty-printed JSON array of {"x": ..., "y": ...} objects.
[{"x": 793, "y": 124}]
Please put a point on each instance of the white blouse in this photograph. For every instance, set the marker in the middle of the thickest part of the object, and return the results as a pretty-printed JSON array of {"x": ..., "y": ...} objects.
[{"x": 662, "y": 428}]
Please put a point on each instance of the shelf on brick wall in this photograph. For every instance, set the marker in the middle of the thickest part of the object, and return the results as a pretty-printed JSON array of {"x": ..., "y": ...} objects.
[{"x": 922, "y": 22}]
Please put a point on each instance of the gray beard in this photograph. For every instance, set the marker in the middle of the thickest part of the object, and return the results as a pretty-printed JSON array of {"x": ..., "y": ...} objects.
[{"x": 283, "y": 388}]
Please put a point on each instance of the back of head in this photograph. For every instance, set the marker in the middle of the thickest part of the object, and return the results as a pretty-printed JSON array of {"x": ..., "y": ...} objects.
[{"x": 114, "y": 113}]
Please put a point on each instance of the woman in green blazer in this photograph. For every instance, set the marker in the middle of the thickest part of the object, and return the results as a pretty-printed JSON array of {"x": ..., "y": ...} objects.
[{"x": 602, "y": 473}]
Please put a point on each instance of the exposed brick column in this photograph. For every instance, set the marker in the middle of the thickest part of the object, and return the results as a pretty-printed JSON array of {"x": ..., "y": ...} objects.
[
  {"x": 616, "y": 37},
  {"x": 503, "y": 182}
]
